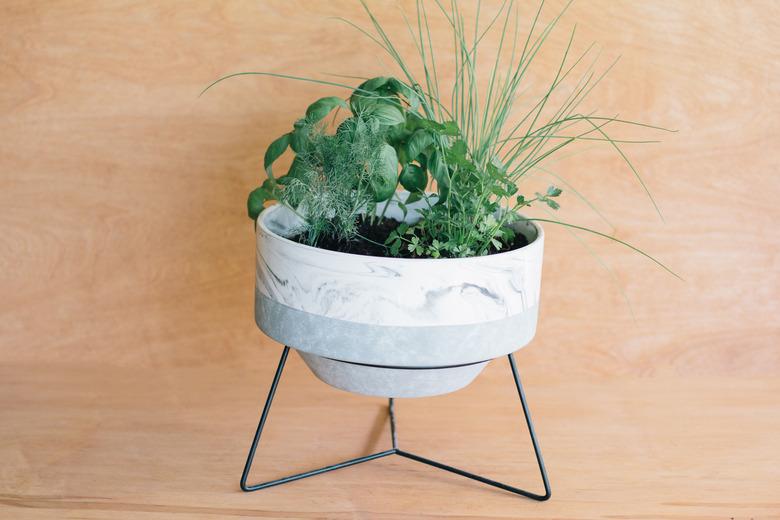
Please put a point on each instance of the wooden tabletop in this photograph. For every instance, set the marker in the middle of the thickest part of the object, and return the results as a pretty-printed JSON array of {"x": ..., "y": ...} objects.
[{"x": 97, "y": 442}]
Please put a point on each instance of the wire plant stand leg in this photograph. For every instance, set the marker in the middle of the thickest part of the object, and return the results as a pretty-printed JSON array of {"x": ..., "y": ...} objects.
[
  {"x": 395, "y": 450},
  {"x": 537, "y": 451},
  {"x": 298, "y": 476}
]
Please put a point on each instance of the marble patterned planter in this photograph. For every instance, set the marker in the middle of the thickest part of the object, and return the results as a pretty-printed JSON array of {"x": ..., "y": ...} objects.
[{"x": 394, "y": 327}]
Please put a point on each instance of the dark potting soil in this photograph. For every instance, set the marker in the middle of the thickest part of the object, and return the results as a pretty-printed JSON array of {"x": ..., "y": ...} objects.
[{"x": 378, "y": 232}]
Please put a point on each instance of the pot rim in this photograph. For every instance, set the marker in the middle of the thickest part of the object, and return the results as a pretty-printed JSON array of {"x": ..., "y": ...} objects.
[{"x": 261, "y": 224}]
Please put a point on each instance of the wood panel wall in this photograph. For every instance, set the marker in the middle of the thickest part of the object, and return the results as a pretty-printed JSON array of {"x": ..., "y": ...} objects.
[{"x": 123, "y": 235}]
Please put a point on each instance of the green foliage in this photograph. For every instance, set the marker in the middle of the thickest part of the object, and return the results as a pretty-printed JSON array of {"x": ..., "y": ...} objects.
[
  {"x": 471, "y": 151},
  {"x": 335, "y": 178},
  {"x": 339, "y": 176},
  {"x": 413, "y": 178},
  {"x": 385, "y": 179},
  {"x": 275, "y": 150},
  {"x": 322, "y": 107}
]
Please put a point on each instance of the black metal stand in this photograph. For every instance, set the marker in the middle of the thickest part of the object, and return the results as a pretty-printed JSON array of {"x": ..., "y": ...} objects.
[{"x": 395, "y": 450}]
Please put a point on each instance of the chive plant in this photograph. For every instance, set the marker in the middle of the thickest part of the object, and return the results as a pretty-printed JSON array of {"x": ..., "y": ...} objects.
[{"x": 461, "y": 149}]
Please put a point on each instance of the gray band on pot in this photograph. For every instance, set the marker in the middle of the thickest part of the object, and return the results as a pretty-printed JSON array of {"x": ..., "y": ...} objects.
[{"x": 393, "y": 345}]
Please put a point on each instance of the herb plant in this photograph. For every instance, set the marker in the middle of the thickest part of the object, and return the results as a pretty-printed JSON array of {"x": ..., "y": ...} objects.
[
  {"x": 463, "y": 151},
  {"x": 335, "y": 178}
]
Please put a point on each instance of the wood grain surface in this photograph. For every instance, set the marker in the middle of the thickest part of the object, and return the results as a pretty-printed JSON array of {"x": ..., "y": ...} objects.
[{"x": 131, "y": 372}]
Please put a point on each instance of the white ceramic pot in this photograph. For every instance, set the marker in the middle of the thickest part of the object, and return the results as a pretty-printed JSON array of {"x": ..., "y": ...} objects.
[{"x": 394, "y": 327}]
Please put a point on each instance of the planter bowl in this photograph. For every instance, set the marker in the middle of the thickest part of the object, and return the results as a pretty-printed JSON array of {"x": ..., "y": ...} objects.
[{"x": 394, "y": 327}]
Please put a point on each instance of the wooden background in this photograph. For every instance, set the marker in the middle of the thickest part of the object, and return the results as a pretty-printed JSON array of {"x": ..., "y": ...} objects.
[{"x": 131, "y": 372}]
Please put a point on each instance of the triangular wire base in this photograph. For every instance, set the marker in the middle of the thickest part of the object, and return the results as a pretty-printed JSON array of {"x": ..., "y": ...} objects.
[{"x": 395, "y": 450}]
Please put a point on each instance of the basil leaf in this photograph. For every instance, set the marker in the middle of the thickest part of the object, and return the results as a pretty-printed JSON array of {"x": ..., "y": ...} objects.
[
  {"x": 255, "y": 202},
  {"x": 413, "y": 178},
  {"x": 417, "y": 143},
  {"x": 322, "y": 107},
  {"x": 387, "y": 114},
  {"x": 385, "y": 177},
  {"x": 274, "y": 151}
]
